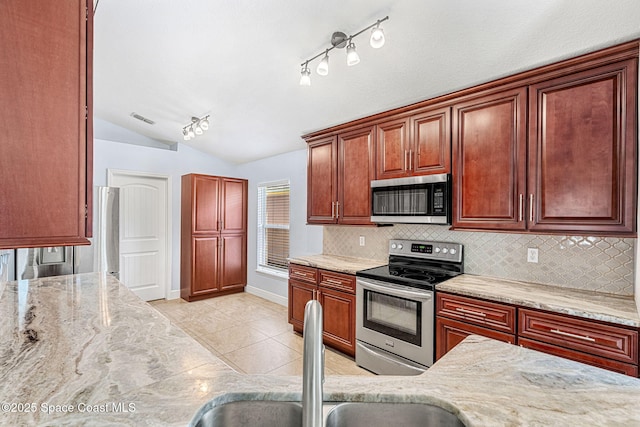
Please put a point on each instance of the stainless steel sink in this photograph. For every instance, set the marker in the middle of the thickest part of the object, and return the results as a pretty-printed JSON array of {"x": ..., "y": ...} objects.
[
  {"x": 360, "y": 414},
  {"x": 264, "y": 413}
]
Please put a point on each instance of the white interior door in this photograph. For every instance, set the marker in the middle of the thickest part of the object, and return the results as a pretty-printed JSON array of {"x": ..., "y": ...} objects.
[{"x": 143, "y": 232}]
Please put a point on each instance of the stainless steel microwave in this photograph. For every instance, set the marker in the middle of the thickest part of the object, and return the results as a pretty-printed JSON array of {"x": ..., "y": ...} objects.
[{"x": 419, "y": 200}]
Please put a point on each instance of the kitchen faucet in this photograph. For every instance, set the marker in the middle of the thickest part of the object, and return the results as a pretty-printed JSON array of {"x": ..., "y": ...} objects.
[{"x": 312, "y": 366}]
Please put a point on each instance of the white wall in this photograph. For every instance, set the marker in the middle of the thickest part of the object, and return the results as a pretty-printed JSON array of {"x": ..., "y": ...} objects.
[
  {"x": 304, "y": 239},
  {"x": 116, "y": 155}
]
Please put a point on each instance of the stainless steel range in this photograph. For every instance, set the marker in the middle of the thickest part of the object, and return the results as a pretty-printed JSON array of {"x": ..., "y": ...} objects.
[{"x": 395, "y": 321}]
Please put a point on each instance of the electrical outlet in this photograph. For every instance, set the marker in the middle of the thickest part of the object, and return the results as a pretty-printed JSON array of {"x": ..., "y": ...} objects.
[
  {"x": 532, "y": 255},
  {"x": 361, "y": 240}
]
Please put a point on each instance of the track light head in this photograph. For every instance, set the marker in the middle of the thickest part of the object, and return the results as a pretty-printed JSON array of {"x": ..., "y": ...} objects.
[
  {"x": 204, "y": 123},
  {"x": 305, "y": 76},
  {"x": 323, "y": 66},
  {"x": 352, "y": 56},
  {"x": 377, "y": 37}
]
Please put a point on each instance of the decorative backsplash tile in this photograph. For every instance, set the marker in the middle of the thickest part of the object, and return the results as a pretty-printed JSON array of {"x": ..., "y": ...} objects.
[{"x": 603, "y": 264}]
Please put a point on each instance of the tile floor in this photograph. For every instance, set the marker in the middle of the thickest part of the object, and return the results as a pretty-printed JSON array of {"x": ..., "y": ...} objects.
[{"x": 250, "y": 334}]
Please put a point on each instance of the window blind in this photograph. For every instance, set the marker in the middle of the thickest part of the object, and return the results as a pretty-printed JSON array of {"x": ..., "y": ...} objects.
[{"x": 273, "y": 225}]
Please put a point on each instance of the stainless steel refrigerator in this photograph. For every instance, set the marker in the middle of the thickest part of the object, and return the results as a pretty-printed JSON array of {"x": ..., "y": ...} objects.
[{"x": 102, "y": 255}]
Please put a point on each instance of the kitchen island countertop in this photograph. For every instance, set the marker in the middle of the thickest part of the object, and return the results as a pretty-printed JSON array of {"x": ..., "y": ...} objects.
[{"x": 83, "y": 349}]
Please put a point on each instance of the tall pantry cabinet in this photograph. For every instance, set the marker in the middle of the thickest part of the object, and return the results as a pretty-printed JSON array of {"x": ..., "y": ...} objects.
[{"x": 213, "y": 243}]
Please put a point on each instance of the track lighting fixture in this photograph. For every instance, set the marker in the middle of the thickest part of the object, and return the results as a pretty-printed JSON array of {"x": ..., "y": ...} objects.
[
  {"x": 196, "y": 127},
  {"x": 340, "y": 40}
]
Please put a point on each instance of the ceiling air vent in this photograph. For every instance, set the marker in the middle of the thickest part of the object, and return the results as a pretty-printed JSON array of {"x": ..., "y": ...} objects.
[{"x": 142, "y": 118}]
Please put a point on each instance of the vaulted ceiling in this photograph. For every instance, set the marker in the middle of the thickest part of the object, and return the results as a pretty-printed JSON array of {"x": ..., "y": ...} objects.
[{"x": 239, "y": 61}]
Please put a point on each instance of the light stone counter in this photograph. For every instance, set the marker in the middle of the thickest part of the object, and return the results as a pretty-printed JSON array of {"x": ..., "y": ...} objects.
[
  {"x": 591, "y": 305},
  {"x": 341, "y": 264},
  {"x": 87, "y": 342}
]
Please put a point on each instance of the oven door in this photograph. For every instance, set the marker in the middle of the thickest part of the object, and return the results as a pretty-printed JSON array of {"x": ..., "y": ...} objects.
[{"x": 398, "y": 319}]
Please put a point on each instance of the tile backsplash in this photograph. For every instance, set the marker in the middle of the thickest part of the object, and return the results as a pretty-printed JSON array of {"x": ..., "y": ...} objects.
[{"x": 603, "y": 264}]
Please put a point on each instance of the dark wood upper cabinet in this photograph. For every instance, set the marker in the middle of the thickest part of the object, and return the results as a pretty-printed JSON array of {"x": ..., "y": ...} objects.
[
  {"x": 356, "y": 170},
  {"x": 322, "y": 181},
  {"x": 549, "y": 150},
  {"x": 393, "y": 149},
  {"x": 489, "y": 152},
  {"x": 582, "y": 151},
  {"x": 46, "y": 141},
  {"x": 431, "y": 137},
  {"x": 339, "y": 172},
  {"x": 415, "y": 145}
]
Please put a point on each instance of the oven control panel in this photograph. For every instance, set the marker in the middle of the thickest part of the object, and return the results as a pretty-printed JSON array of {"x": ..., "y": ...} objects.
[{"x": 426, "y": 249}]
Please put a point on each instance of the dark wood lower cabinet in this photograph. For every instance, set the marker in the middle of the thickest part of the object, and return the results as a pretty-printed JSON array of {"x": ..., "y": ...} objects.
[
  {"x": 605, "y": 345},
  {"x": 336, "y": 293},
  {"x": 339, "y": 320},
  {"x": 449, "y": 333},
  {"x": 299, "y": 295}
]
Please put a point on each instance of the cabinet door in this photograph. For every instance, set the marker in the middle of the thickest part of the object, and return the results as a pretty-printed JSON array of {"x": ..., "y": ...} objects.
[
  {"x": 582, "y": 173},
  {"x": 233, "y": 261},
  {"x": 356, "y": 170},
  {"x": 392, "y": 146},
  {"x": 322, "y": 184},
  {"x": 45, "y": 128},
  {"x": 450, "y": 333},
  {"x": 233, "y": 207},
  {"x": 299, "y": 294},
  {"x": 339, "y": 319},
  {"x": 431, "y": 137},
  {"x": 489, "y": 152},
  {"x": 206, "y": 192},
  {"x": 204, "y": 265}
]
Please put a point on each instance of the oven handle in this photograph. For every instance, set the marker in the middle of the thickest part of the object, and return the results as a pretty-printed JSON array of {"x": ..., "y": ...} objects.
[{"x": 391, "y": 289}]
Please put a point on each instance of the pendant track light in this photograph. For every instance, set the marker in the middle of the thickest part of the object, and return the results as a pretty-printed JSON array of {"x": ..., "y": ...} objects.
[
  {"x": 196, "y": 127},
  {"x": 340, "y": 40}
]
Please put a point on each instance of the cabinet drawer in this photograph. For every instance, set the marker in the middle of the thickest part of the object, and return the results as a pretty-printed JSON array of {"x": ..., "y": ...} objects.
[
  {"x": 492, "y": 315},
  {"x": 302, "y": 273},
  {"x": 589, "y": 359},
  {"x": 338, "y": 281},
  {"x": 578, "y": 334}
]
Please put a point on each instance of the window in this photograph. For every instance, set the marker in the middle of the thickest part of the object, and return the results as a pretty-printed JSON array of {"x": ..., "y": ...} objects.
[{"x": 273, "y": 226}]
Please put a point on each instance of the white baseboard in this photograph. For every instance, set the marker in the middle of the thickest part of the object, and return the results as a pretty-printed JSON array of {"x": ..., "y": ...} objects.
[
  {"x": 174, "y": 294},
  {"x": 267, "y": 295}
]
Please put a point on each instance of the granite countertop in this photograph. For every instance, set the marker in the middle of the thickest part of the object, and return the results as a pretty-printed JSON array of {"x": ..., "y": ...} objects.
[
  {"x": 85, "y": 341},
  {"x": 617, "y": 309},
  {"x": 342, "y": 264}
]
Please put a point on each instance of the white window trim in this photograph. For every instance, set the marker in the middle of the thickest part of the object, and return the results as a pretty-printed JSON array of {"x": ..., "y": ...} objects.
[{"x": 276, "y": 272}]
